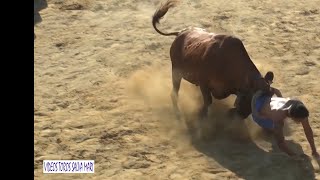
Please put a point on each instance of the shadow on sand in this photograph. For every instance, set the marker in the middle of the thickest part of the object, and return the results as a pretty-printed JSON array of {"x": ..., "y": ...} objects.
[{"x": 233, "y": 149}]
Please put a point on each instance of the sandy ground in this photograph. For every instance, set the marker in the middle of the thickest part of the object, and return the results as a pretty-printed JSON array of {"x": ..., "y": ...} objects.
[{"x": 102, "y": 80}]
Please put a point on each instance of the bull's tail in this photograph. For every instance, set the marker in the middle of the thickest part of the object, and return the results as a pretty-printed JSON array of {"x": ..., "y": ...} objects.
[{"x": 161, "y": 11}]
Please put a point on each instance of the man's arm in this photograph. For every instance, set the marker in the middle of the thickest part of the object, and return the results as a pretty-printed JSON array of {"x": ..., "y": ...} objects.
[
  {"x": 309, "y": 134},
  {"x": 278, "y": 133},
  {"x": 277, "y": 92}
]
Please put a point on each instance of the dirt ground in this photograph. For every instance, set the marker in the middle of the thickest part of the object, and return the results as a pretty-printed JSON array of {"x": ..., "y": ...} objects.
[{"x": 102, "y": 82}]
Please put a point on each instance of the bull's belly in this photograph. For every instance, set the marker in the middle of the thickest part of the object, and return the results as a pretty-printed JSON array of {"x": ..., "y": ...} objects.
[
  {"x": 191, "y": 77},
  {"x": 218, "y": 89},
  {"x": 218, "y": 92}
]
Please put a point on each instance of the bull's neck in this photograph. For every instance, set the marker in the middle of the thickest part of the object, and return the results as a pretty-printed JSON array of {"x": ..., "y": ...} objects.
[
  {"x": 254, "y": 73},
  {"x": 254, "y": 76}
]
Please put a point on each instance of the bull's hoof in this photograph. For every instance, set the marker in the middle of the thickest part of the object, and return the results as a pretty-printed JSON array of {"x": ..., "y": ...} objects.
[
  {"x": 231, "y": 112},
  {"x": 202, "y": 130},
  {"x": 242, "y": 116},
  {"x": 178, "y": 115},
  {"x": 234, "y": 114},
  {"x": 177, "y": 112},
  {"x": 203, "y": 114}
]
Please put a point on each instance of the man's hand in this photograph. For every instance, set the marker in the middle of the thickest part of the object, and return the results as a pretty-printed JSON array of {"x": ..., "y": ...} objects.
[{"x": 309, "y": 134}]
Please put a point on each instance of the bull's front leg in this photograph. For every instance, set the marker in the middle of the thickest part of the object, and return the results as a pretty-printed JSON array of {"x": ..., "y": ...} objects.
[
  {"x": 176, "y": 81},
  {"x": 242, "y": 107},
  {"x": 202, "y": 127},
  {"x": 232, "y": 112},
  {"x": 207, "y": 101}
]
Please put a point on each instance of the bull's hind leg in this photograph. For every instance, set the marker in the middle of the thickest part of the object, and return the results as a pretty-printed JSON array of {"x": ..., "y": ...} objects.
[
  {"x": 176, "y": 81},
  {"x": 207, "y": 101}
]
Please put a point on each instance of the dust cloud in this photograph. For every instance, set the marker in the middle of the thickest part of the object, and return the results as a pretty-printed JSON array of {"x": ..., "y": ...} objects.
[{"x": 153, "y": 86}]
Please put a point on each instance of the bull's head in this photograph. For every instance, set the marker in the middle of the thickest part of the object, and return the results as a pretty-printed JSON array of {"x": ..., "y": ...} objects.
[
  {"x": 244, "y": 104},
  {"x": 243, "y": 107},
  {"x": 260, "y": 84}
]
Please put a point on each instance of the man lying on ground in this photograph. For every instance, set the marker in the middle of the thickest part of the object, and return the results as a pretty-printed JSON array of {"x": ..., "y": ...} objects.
[{"x": 270, "y": 113}]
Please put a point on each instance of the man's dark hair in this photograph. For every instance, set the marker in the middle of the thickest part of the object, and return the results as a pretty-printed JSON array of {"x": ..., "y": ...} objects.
[
  {"x": 269, "y": 76},
  {"x": 299, "y": 110}
]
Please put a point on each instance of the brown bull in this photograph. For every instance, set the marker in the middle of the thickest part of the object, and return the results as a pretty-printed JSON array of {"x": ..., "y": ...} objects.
[{"x": 218, "y": 63}]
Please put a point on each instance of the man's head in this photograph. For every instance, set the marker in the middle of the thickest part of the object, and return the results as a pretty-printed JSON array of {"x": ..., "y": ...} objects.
[
  {"x": 269, "y": 77},
  {"x": 298, "y": 111}
]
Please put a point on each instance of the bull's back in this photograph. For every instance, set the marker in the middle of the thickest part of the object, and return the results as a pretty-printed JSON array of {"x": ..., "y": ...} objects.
[
  {"x": 189, "y": 54},
  {"x": 186, "y": 52},
  {"x": 217, "y": 60}
]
